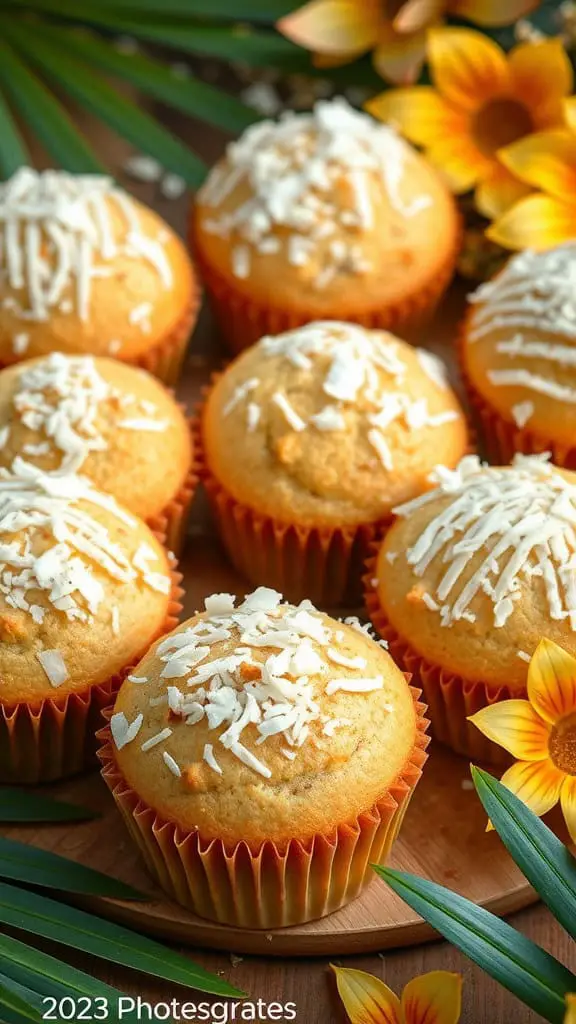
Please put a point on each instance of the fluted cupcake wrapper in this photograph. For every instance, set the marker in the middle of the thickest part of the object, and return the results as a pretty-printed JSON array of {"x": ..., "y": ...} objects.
[
  {"x": 171, "y": 524},
  {"x": 268, "y": 886},
  {"x": 243, "y": 321},
  {"x": 323, "y": 564},
  {"x": 451, "y": 699},
  {"x": 503, "y": 438},
  {"x": 56, "y": 738}
]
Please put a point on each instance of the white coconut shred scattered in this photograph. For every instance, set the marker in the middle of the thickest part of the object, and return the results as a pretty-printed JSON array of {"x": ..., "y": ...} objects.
[{"x": 282, "y": 660}]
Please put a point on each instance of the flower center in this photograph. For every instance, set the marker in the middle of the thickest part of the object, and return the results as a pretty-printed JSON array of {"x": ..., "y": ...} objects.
[
  {"x": 500, "y": 122},
  {"x": 563, "y": 745}
]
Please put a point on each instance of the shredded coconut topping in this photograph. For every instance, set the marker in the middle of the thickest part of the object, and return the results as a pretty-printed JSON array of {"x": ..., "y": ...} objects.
[
  {"x": 283, "y": 659},
  {"x": 533, "y": 296},
  {"x": 520, "y": 518},
  {"x": 308, "y": 173},
  {"x": 354, "y": 379},
  {"x": 58, "y": 232},
  {"x": 61, "y": 397}
]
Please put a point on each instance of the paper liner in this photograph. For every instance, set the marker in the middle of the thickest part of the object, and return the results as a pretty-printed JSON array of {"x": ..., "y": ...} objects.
[
  {"x": 266, "y": 885},
  {"x": 323, "y": 564},
  {"x": 171, "y": 523},
  {"x": 502, "y": 438},
  {"x": 450, "y": 697},
  {"x": 56, "y": 738},
  {"x": 243, "y": 320}
]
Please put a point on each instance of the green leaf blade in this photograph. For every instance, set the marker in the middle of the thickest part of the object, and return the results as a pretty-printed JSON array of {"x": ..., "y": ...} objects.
[
  {"x": 527, "y": 971},
  {"x": 17, "y": 806},
  {"x": 13, "y": 152},
  {"x": 23, "y": 863},
  {"x": 543, "y": 859},
  {"x": 71, "y": 927},
  {"x": 13, "y": 998}
]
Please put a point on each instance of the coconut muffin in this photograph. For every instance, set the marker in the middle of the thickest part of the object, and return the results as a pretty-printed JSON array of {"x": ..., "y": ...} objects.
[
  {"x": 85, "y": 588},
  {"x": 113, "y": 423},
  {"x": 518, "y": 351},
  {"x": 87, "y": 270},
  {"x": 310, "y": 439},
  {"x": 325, "y": 215},
  {"x": 263, "y": 746},
  {"x": 469, "y": 579}
]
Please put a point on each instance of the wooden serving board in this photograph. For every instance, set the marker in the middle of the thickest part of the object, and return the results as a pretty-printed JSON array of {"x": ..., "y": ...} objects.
[{"x": 443, "y": 837}]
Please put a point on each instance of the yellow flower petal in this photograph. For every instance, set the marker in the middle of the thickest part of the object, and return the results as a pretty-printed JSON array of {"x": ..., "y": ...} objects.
[
  {"x": 461, "y": 164},
  {"x": 570, "y": 112},
  {"x": 419, "y": 113},
  {"x": 492, "y": 12},
  {"x": 399, "y": 56},
  {"x": 537, "y": 222},
  {"x": 570, "y": 1017},
  {"x": 568, "y": 803},
  {"x": 537, "y": 783},
  {"x": 467, "y": 67},
  {"x": 434, "y": 998},
  {"x": 546, "y": 161},
  {"x": 498, "y": 191},
  {"x": 514, "y": 725},
  {"x": 541, "y": 76},
  {"x": 552, "y": 681},
  {"x": 335, "y": 26},
  {"x": 367, "y": 1000},
  {"x": 416, "y": 14}
]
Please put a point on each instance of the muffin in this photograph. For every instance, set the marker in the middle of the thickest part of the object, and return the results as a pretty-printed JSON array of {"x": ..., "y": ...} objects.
[
  {"x": 324, "y": 215},
  {"x": 263, "y": 759},
  {"x": 85, "y": 588},
  {"x": 309, "y": 441},
  {"x": 469, "y": 579},
  {"x": 87, "y": 270},
  {"x": 518, "y": 352},
  {"x": 113, "y": 423}
]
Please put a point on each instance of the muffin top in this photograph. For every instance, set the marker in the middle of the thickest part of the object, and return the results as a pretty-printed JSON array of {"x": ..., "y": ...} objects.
[
  {"x": 520, "y": 342},
  {"x": 265, "y": 721},
  {"x": 325, "y": 209},
  {"x": 84, "y": 587},
  {"x": 112, "y": 423},
  {"x": 85, "y": 269},
  {"x": 476, "y": 572},
  {"x": 331, "y": 424}
]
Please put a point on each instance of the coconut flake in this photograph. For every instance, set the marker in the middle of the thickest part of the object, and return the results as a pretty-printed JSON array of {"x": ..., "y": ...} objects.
[{"x": 54, "y": 666}]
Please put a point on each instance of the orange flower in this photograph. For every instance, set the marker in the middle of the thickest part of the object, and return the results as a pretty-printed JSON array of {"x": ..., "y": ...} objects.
[
  {"x": 546, "y": 161},
  {"x": 339, "y": 31},
  {"x": 570, "y": 1017},
  {"x": 433, "y": 998},
  {"x": 482, "y": 100},
  {"x": 541, "y": 733}
]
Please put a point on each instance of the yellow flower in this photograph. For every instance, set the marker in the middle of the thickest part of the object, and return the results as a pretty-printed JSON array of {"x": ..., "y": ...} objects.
[
  {"x": 541, "y": 733},
  {"x": 570, "y": 1017},
  {"x": 339, "y": 31},
  {"x": 433, "y": 998},
  {"x": 546, "y": 161},
  {"x": 482, "y": 100}
]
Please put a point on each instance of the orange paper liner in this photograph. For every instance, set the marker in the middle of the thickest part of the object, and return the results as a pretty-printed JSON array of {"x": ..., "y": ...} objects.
[
  {"x": 268, "y": 885},
  {"x": 503, "y": 438},
  {"x": 451, "y": 699},
  {"x": 56, "y": 738},
  {"x": 243, "y": 320},
  {"x": 323, "y": 564},
  {"x": 164, "y": 360},
  {"x": 171, "y": 524}
]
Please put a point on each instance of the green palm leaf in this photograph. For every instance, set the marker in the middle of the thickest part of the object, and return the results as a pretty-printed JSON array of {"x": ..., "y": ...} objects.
[
  {"x": 13, "y": 998},
  {"x": 267, "y": 11},
  {"x": 13, "y": 152},
  {"x": 44, "y": 917},
  {"x": 543, "y": 859},
  {"x": 20, "y": 862},
  {"x": 19, "y": 806}
]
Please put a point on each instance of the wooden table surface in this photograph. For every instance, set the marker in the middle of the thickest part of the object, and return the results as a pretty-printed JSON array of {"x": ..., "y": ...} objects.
[{"x": 308, "y": 983}]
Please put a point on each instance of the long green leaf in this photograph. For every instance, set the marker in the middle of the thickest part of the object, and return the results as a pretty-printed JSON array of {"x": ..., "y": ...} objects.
[
  {"x": 12, "y": 998},
  {"x": 542, "y": 858},
  {"x": 188, "y": 95},
  {"x": 13, "y": 152},
  {"x": 17, "y": 805},
  {"x": 44, "y": 114},
  {"x": 527, "y": 971},
  {"x": 267, "y": 11},
  {"x": 101, "y": 99},
  {"x": 38, "y": 972},
  {"x": 61, "y": 923},
  {"x": 23, "y": 863}
]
